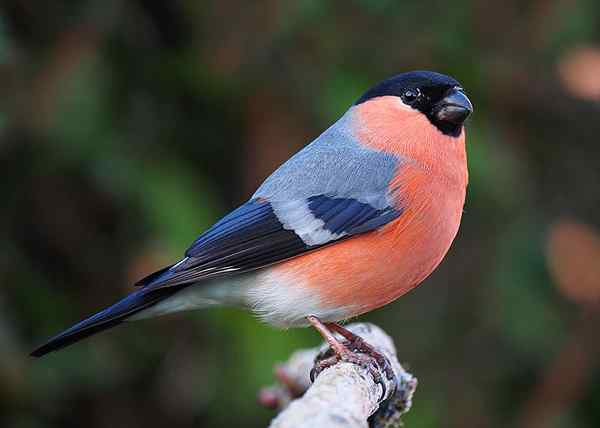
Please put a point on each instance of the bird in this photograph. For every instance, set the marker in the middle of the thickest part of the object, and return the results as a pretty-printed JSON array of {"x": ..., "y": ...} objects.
[{"x": 354, "y": 220}]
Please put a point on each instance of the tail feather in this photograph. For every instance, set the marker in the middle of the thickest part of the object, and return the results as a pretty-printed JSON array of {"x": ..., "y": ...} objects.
[{"x": 109, "y": 317}]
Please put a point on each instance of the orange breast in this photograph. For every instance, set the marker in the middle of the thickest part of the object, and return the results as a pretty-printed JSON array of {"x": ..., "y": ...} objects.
[{"x": 369, "y": 271}]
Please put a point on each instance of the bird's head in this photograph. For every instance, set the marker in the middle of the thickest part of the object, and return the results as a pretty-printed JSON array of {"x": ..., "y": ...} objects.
[{"x": 439, "y": 97}]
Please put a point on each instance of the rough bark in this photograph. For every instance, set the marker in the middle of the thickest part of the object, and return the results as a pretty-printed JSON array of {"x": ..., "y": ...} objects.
[{"x": 344, "y": 395}]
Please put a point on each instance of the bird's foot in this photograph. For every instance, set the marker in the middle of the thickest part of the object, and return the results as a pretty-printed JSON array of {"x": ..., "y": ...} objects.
[
  {"x": 329, "y": 359},
  {"x": 352, "y": 350},
  {"x": 358, "y": 344}
]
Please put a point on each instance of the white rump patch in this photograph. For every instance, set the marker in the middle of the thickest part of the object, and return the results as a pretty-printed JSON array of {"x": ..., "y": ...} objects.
[
  {"x": 225, "y": 291},
  {"x": 188, "y": 299},
  {"x": 276, "y": 299}
]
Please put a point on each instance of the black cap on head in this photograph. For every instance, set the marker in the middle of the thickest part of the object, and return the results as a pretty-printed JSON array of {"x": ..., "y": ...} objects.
[{"x": 436, "y": 95}]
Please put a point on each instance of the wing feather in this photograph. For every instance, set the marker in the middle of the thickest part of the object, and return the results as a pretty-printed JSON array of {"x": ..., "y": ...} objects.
[
  {"x": 332, "y": 189},
  {"x": 253, "y": 236}
]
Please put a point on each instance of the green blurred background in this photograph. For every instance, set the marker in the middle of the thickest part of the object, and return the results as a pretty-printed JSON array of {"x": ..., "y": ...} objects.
[{"x": 128, "y": 127}]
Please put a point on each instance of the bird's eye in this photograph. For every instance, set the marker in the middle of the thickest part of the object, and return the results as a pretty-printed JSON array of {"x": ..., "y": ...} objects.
[{"x": 410, "y": 95}]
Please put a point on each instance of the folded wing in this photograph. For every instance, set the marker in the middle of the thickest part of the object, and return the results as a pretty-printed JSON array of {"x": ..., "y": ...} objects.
[
  {"x": 259, "y": 233},
  {"x": 333, "y": 189}
]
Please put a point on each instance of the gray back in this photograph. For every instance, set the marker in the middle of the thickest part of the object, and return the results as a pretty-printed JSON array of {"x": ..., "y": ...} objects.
[{"x": 336, "y": 165}]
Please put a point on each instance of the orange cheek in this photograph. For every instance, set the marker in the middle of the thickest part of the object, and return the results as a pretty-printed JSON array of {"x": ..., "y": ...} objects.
[{"x": 388, "y": 125}]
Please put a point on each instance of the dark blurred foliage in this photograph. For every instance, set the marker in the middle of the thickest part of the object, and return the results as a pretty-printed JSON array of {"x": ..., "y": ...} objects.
[{"x": 127, "y": 128}]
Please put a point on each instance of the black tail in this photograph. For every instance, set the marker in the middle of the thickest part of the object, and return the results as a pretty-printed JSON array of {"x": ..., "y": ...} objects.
[{"x": 109, "y": 317}]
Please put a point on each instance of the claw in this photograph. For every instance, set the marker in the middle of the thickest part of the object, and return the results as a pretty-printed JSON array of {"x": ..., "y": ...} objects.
[
  {"x": 352, "y": 350},
  {"x": 361, "y": 354}
]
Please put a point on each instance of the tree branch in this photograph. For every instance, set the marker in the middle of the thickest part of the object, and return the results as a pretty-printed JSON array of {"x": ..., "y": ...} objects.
[{"x": 345, "y": 395}]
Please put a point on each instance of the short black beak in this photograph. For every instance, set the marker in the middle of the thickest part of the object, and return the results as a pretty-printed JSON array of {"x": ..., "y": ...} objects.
[{"x": 455, "y": 107}]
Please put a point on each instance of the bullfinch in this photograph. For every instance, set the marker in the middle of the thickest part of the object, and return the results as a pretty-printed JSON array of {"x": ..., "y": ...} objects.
[{"x": 353, "y": 221}]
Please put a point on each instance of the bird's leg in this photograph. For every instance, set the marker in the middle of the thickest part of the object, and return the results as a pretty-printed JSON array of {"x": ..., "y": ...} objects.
[
  {"x": 335, "y": 344},
  {"x": 353, "y": 350}
]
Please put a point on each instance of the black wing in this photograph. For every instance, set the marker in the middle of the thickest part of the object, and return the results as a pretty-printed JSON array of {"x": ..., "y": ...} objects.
[{"x": 253, "y": 236}]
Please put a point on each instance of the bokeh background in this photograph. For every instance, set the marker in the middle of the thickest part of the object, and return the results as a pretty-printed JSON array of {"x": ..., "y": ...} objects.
[{"x": 128, "y": 127}]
